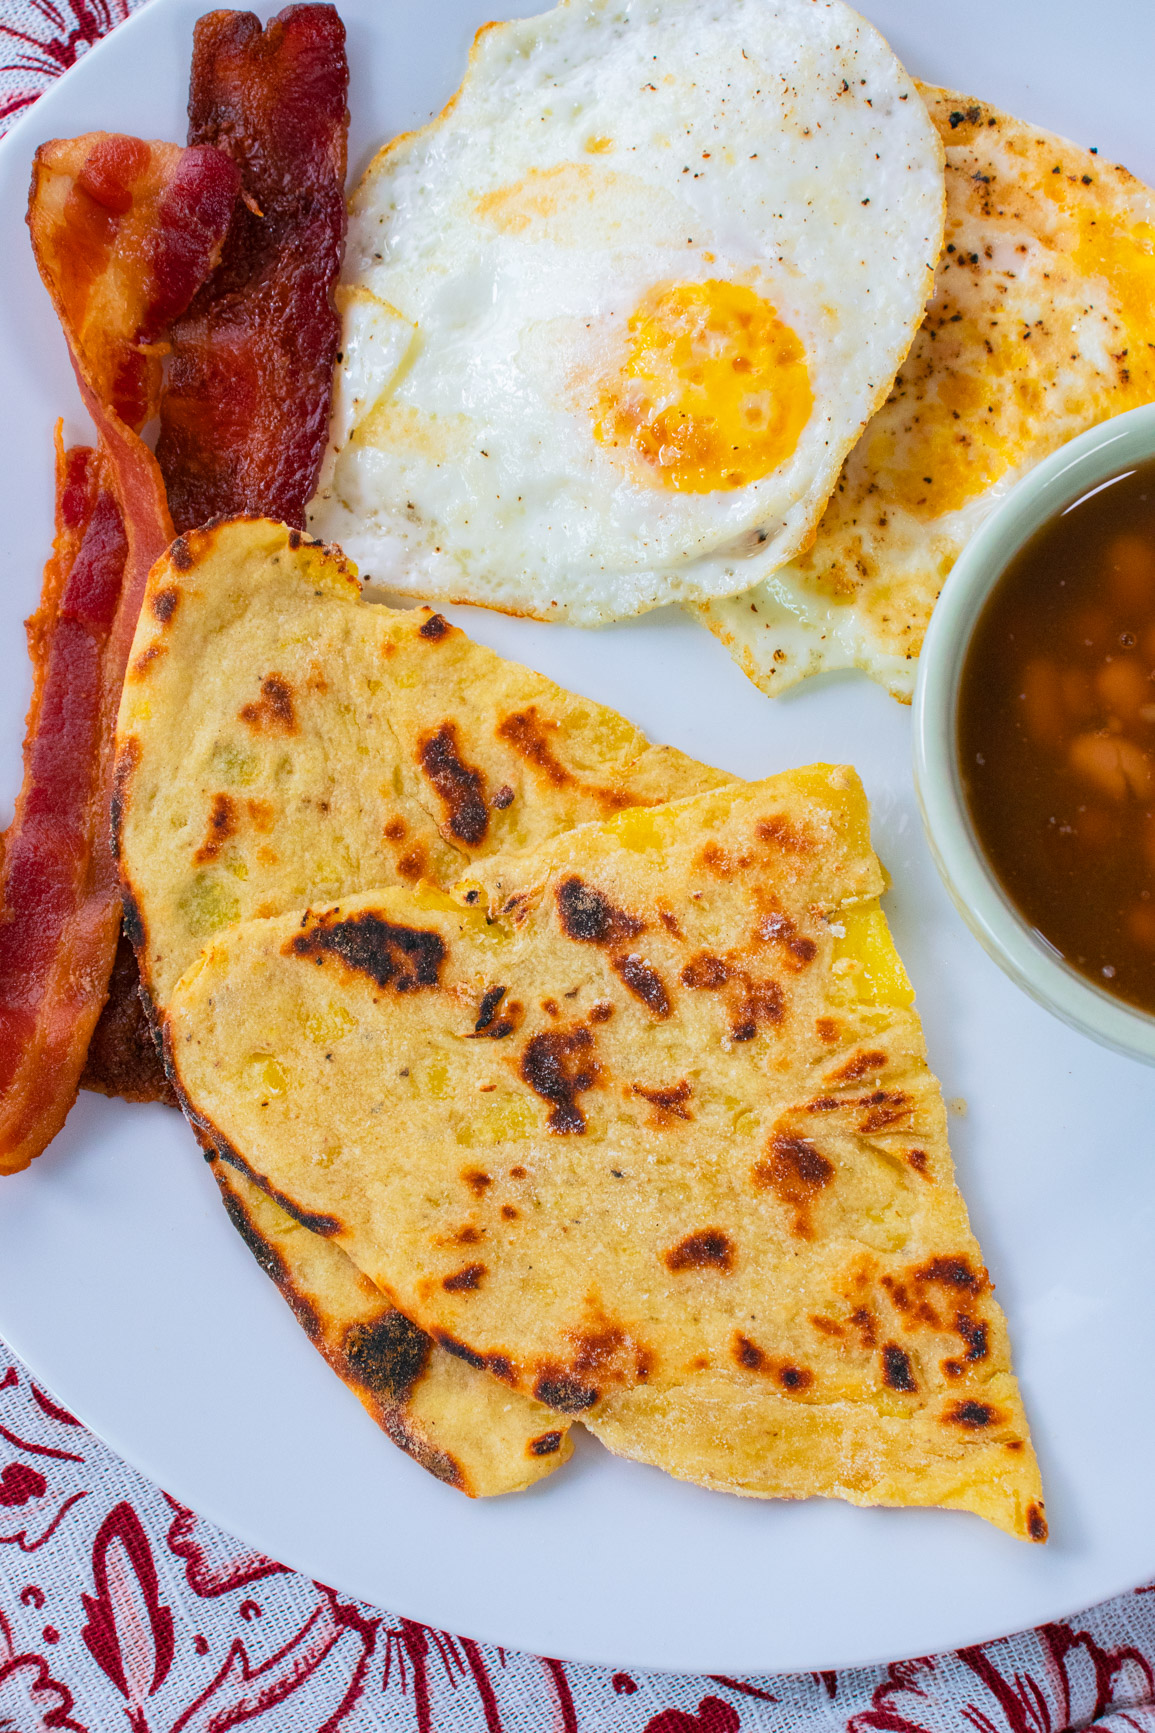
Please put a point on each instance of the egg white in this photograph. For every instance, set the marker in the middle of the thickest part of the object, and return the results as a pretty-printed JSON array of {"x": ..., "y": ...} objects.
[{"x": 495, "y": 258}]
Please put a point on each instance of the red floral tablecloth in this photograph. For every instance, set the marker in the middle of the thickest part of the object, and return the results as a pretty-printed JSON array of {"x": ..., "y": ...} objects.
[{"x": 120, "y": 1609}]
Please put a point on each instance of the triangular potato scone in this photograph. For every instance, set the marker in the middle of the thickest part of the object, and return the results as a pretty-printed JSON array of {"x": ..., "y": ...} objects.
[
  {"x": 641, "y": 1125},
  {"x": 281, "y": 740}
]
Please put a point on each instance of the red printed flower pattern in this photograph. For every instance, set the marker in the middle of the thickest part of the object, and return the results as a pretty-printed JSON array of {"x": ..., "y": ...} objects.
[{"x": 40, "y": 39}]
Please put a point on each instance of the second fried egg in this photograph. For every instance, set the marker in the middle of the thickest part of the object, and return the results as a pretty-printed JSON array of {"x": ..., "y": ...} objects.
[
  {"x": 1041, "y": 327},
  {"x": 615, "y": 318}
]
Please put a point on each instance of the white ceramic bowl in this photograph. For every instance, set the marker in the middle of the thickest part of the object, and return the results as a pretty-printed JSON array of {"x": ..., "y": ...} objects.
[{"x": 1014, "y": 944}]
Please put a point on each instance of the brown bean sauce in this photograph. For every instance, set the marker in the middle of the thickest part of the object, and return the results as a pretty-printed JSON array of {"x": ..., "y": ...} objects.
[{"x": 1056, "y": 733}]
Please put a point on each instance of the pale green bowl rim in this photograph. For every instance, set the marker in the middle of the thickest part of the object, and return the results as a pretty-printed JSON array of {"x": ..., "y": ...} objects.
[{"x": 1017, "y": 948}]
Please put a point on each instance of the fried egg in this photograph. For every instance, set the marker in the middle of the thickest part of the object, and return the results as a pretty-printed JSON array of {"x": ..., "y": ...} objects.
[
  {"x": 615, "y": 318},
  {"x": 1041, "y": 326}
]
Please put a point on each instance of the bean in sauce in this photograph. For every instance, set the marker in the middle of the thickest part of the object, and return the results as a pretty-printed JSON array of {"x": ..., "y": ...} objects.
[{"x": 1056, "y": 733}]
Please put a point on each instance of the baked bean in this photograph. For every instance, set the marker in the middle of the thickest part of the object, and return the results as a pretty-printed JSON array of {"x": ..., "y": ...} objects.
[
  {"x": 1123, "y": 686},
  {"x": 1117, "y": 768}
]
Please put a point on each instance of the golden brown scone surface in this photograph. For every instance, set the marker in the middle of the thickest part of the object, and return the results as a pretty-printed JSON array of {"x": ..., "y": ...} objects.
[{"x": 642, "y": 1125}]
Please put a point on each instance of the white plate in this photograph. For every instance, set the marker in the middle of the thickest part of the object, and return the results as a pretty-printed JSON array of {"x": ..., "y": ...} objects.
[{"x": 123, "y": 1285}]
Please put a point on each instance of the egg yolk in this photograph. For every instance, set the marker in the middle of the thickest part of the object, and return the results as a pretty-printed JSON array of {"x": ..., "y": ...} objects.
[{"x": 714, "y": 391}]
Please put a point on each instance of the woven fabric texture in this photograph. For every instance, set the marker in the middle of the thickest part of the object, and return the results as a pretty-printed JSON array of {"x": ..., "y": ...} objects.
[{"x": 119, "y": 1608}]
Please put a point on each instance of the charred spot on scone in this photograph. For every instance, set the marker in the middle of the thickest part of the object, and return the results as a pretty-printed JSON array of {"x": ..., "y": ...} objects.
[
  {"x": 559, "y": 1065},
  {"x": 386, "y": 1356},
  {"x": 782, "y": 835},
  {"x": 267, "y": 1256},
  {"x": 972, "y": 1416},
  {"x": 545, "y": 1444},
  {"x": 775, "y": 927},
  {"x": 797, "y": 1172},
  {"x": 897, "y": 1371},
  {"x": 146, "y": 659},
  {"x": 274, "y": 712},
  {"x": 952, "y": 1272},
  {"x": 975, "y": 1333},
  {"x": 590, "y": 918},
  {"x": 529, "y": 738},
  {"x": 222, "y": 824},
  {"x": 558, "y": 1389},
  {"x": 459, "y": 787},
  {"x": 886, "y": 1107},
  {"x": 403, "y": 959},
  {"x": 603, "y": 1352},
  {"x": 497, "y": 1022},
  {"x": 434, "y": 629},
  {"x": 787, "y": 1375},
  {"x": 748, "y": 1353},
  {"x": 751, "y": 1002},
  {"x": 131, "y": 919},
  {"x": 497, "y": 1365},
  {"x": 487, "y": 1010},
  {"x": 859, "y": 1065},
  {"x": 465, "y": 1280},
  {"x": 181, "y": 555},
  {"x": 644, "y": 982},
  {"x": 708, "y": 1249},
  {"x": 705, "y": 972},
  {"x": 671, "y": 1102}
]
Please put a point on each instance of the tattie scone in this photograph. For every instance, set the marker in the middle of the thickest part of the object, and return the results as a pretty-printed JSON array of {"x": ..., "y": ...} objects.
[
  {"x": 281, "y": 740},
  {"x": 1039, "y": 328},
  {"x": 639, "y": 1124}
]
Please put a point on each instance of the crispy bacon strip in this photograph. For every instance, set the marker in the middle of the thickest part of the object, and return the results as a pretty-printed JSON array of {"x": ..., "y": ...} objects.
[
  {"x": 60, "y": 893},
  {"x": 124, "y": 233},
  {"x": 245, "y": 412}
]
